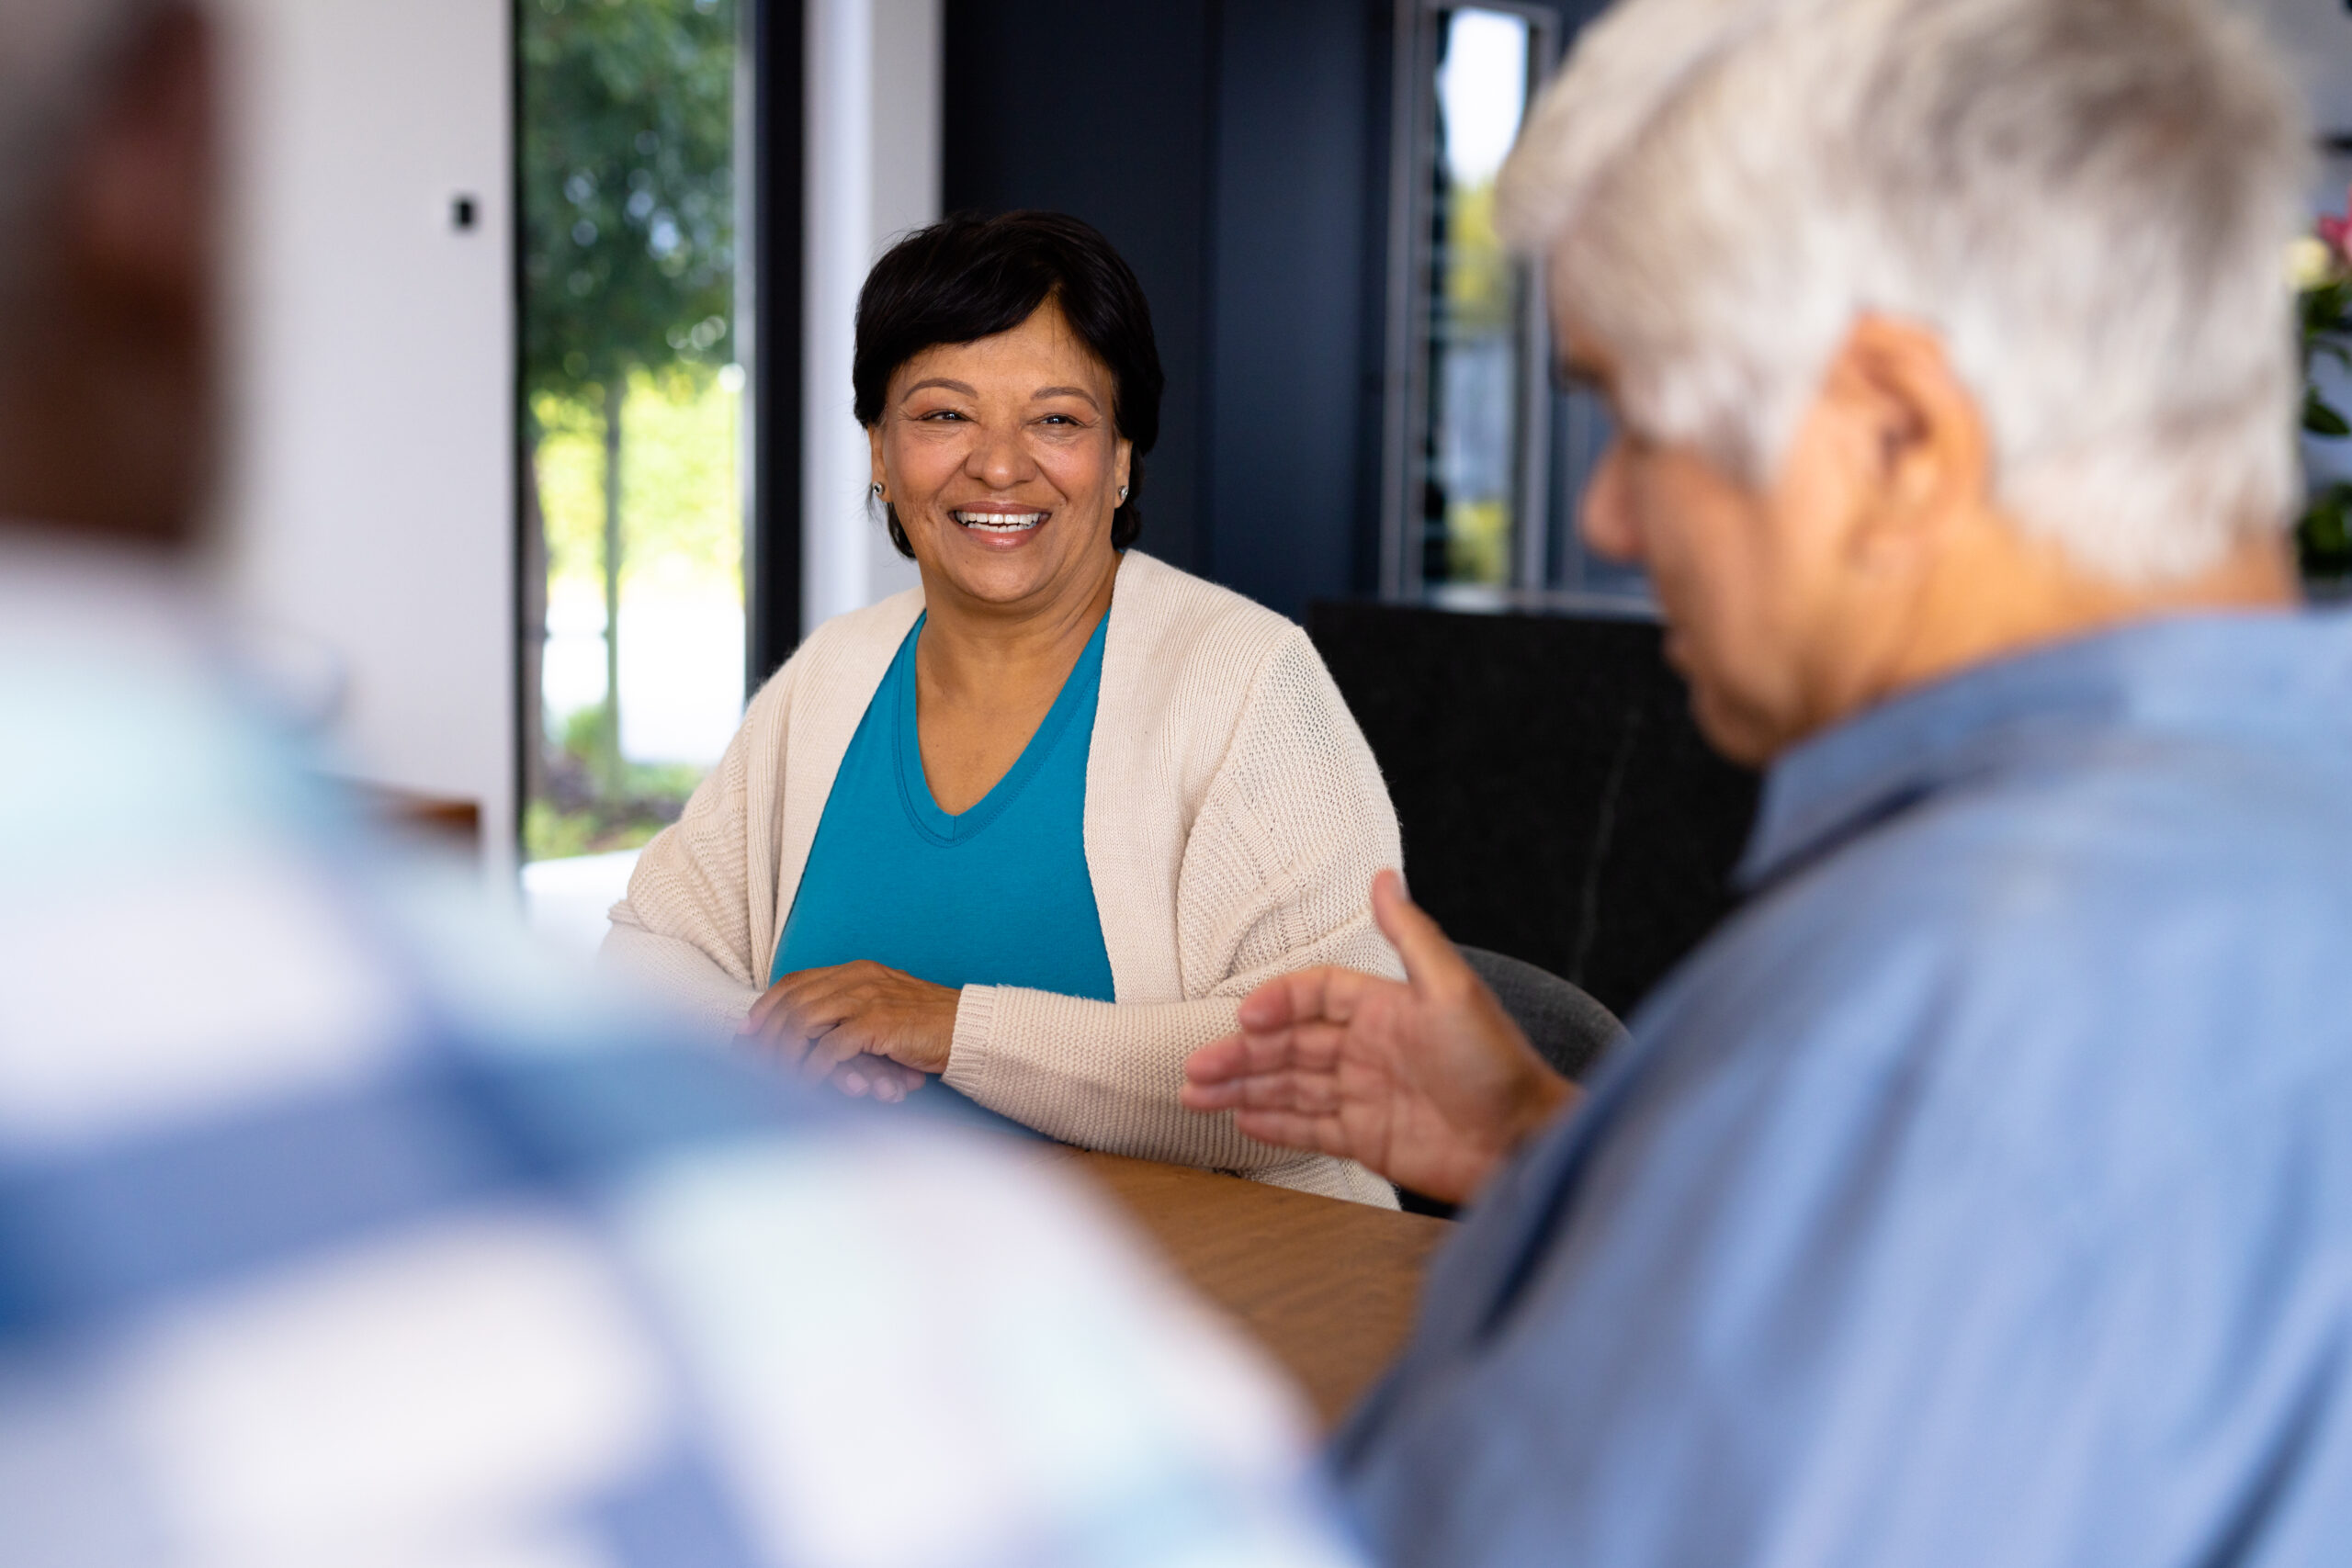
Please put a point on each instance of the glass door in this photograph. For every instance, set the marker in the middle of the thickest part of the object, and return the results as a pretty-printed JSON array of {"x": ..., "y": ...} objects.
[
  {"x": 634, "y": 499},
  {"x": 1482, "y": 461}
]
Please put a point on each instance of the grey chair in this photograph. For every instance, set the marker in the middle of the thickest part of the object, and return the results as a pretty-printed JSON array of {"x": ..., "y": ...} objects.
[{"x": 1567, "y": 1028}]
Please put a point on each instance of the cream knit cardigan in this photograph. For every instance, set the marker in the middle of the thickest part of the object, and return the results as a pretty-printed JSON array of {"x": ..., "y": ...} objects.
[{"x": 1234, "y": 820}]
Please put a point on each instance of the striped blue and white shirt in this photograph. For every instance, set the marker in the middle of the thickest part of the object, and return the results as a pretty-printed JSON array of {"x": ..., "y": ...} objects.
[{"x": 335, "y": 1227}]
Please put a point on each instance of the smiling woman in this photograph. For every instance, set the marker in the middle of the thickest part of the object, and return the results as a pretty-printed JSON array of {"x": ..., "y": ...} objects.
[{"x": 1033, "y": 829}]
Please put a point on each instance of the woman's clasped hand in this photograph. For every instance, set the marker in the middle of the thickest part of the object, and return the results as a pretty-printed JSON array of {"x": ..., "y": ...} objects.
[{"x": 862, "y": 1027}]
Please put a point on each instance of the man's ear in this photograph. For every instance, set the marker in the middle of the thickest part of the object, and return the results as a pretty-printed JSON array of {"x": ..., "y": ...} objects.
[{"x": 1921, "y": 458}]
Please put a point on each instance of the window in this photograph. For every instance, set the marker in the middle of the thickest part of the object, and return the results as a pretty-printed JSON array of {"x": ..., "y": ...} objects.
[
  {"x": 1482, "y": 461},
  {"x": 631, "y": 381}
]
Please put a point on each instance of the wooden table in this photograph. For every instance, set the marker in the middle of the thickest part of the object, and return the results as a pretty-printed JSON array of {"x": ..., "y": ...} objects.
[{"x": 1327, "y": 1287}]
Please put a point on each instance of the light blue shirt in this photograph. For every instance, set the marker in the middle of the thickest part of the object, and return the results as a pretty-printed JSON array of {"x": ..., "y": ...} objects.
[
  {"x": 996, "y": 895},
  {"x": 1982, "y": 1193}
]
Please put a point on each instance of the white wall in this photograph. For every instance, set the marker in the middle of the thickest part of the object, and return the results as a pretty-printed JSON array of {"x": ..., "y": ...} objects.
[
  {"x": 2316, "y": 36},
  {"x": 874, "y": 150},
  {"x": 369, "y": 505}
]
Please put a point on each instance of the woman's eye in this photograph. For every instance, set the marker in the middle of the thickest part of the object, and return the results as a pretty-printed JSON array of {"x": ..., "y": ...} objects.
[{"x": 940, "y": 415}]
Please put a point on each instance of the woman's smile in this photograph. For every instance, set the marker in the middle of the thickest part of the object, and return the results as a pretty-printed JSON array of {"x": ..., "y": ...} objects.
[{"x": 1001, "y": 525}]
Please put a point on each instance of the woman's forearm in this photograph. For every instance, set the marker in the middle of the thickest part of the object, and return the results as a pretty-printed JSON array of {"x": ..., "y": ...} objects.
[
  {"x": 682, "y": 975},
  {"x": 1107, "y": 1076}
]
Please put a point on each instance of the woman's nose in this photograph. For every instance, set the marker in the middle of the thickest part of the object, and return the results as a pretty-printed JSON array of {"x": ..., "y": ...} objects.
[{"x": 999, "y": 460}]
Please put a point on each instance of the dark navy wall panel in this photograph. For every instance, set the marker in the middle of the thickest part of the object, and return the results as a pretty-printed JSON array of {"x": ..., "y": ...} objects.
[
  {"x": 1237, "y": 153},
  {"x": 1298, "y": 138},
  {"x": 1105, "y": 108}
]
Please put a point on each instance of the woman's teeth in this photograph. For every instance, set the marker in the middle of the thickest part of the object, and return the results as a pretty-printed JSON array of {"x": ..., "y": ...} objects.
[{"x": 1001, "y": 521}]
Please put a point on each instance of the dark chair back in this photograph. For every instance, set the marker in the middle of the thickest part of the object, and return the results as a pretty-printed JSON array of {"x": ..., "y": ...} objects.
[
  {"x": 1569, "y": 1029},
  {"x": 1556, "y": 799}
]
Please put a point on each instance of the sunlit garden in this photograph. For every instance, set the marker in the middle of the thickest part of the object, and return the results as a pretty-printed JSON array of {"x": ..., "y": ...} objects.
[
  {"x": 631, "y": 416},
  {"x": 681, "y": 594}
]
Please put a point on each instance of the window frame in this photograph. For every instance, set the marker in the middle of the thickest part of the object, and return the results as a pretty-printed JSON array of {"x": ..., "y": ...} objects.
[{"x": 1407, "y": 327}]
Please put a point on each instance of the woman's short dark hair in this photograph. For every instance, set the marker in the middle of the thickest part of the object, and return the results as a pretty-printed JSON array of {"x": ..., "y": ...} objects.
[{"x": 967, "y": 277}]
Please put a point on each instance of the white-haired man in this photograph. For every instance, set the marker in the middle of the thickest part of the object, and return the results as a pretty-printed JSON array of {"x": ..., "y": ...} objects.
[
  {"x": 327, "y": 1236},
  {"x": 1981, "y": 1192}
]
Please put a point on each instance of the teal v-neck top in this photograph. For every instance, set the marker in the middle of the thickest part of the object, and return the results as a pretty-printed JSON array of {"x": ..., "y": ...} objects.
[{"x": 997, "y": 896}]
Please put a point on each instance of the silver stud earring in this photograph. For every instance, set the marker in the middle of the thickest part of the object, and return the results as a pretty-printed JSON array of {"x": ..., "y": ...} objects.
[
  {"x": 1123, "y": 493},
  {"x": 877, "y": 492}
]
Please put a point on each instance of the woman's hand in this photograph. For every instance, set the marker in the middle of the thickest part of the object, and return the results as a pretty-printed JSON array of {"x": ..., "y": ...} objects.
[{"x": 866, "y": 1028}]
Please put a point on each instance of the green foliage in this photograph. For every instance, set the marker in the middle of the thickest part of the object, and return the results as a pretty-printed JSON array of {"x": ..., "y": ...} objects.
[
  {"x": 583, "y": 812},
  {"x": 627, "y": 198},
  {"x": 679, "y": 506},
  {"x": 552, "y": 832},
  {"x": 2319, "y": 417},
  {"x": 588, "y": 733},
  {"x": 2323, "y": 537},
  {"x": 627, "y": 158},
  {"x": 1481, "y": 280}
]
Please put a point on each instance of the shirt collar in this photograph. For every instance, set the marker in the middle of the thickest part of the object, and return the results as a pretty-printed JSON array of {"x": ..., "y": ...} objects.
[{"x": 2220, "y": 675}]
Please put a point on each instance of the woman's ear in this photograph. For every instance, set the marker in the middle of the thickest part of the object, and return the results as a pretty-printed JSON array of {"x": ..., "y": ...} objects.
[
  {"x": 1122, "y": 466},
  {"x": 874, "y": 450}
]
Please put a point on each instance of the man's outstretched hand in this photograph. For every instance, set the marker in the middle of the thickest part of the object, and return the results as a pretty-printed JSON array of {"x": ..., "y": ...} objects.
[{"x": 1429, "y": 1082}]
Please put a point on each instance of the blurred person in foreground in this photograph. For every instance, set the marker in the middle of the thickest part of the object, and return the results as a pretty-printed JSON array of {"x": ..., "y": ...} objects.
[
  {"x": 1982, "y": 1191},
  {"x": 326, "y": 1235}
]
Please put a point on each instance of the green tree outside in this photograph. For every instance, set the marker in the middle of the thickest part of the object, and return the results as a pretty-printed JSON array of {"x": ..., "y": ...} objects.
[{"x": 628, "y": 261}]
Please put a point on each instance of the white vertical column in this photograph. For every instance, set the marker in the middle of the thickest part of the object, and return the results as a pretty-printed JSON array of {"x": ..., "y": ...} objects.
[
  {"x": 905, "y": 115},
  {"x": 368, "y": 508},
  {"x": 873, "y": 174}
]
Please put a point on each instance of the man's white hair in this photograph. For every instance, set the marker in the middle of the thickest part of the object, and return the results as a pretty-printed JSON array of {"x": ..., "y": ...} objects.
[{"x": 2087, "y": 200}]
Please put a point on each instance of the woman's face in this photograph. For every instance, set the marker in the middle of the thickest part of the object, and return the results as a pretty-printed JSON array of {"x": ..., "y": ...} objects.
[{"x": 1000, "y": 457}]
